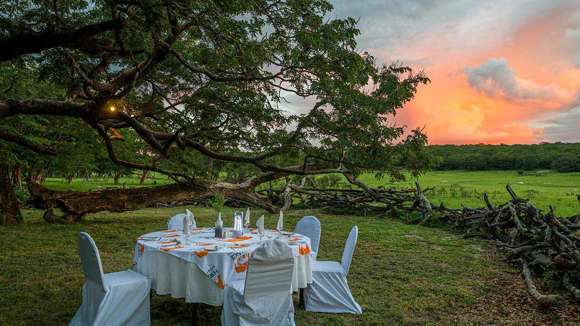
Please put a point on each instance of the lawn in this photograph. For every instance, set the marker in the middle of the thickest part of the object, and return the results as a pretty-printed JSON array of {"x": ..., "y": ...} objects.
[
  {"x": 401, "y": 274},
  {"x": 88, "y": 184}
]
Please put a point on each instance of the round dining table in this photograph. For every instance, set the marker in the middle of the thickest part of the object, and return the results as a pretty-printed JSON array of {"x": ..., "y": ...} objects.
[{"x": 198, "y": 266}]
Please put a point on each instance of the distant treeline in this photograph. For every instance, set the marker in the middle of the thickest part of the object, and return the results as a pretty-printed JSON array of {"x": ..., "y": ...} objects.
[{"x": 558, "y": 156}]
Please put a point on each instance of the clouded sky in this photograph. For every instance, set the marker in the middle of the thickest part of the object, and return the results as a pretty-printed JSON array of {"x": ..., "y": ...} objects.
[{"x": 502, "y": 71}]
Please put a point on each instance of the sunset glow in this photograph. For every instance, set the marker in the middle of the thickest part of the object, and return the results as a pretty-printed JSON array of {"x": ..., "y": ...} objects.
[{"x": 502, "y": 72}]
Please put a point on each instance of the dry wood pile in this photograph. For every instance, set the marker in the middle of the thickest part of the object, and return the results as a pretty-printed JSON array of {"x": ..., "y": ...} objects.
[
  {"x": 356, "y": 201},
  {"x": 539, "y": 242}
]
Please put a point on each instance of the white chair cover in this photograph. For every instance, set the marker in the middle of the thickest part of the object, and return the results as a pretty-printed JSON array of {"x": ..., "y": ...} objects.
[
  {"x": 120, "y": 298},
  {"x": 329, "y": 291},
  {"x": 176, "y": 222},
  {"x": 265, "y": 298},
  {"x": 310, "y": 227},
  {"x": 348, "y": 250}
]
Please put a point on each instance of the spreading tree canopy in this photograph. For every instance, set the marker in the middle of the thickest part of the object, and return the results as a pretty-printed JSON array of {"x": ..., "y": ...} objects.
[{"x": 206, "y": 83}]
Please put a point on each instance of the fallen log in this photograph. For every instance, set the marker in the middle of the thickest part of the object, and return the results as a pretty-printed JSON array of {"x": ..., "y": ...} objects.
[{"x": 75, "y": 204}]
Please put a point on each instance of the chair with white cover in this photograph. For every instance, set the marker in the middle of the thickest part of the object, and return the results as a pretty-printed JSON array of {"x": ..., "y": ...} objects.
[
  {"x": 310, "y": 227},
  {"x": 120, "y": 298},
  {"x": 176, "y": 222},
  {"x": 265, "y": 297},
  {"x": 329, "y": 291}
]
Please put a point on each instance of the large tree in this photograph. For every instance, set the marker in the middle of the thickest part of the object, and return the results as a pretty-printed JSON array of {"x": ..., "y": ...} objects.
[{"x": 206, "y": 83}]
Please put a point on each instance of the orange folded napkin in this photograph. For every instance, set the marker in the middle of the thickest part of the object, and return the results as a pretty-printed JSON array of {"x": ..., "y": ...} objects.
[
  {"x": 241, "y": 268},
  {"x": 237, "y": 239},
  {"x": 201, "y": 253},
  {"x": 218, "y": 281}
]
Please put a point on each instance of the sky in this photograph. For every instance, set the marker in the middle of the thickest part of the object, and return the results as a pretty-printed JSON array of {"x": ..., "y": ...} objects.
[{"x": 502, "y": 71}]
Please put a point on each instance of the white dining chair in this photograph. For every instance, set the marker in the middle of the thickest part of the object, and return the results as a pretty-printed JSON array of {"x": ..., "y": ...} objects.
[
  {"x": 310, "y": 227},
  {"x": 176, "y": 222},
  {"x": 329, "y": 290},
  {"x": 265, "y": 297},
  {"x": 111, "y": 299}
]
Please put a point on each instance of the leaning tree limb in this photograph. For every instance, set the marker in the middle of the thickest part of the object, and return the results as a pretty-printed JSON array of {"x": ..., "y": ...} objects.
[
  {"x": 543, "y": 299},
  {"x": 75, "y": 204},
  {"x": 422, "y": 203}
]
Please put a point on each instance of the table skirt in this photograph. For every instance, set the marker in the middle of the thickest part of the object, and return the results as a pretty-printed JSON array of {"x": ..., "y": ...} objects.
[{"x": 179, "y": 278}]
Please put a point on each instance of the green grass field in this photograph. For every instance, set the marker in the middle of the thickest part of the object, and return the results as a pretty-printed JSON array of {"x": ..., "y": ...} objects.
[
  {"x": 400, "y": 274},
  {"x": 467, "y": 187},
  {"x": 83, "y": 184}
]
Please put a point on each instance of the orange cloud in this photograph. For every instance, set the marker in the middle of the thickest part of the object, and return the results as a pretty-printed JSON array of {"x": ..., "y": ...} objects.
[
  {"x": 452, "y": 112},
  {"x": 497, "y": 94}
]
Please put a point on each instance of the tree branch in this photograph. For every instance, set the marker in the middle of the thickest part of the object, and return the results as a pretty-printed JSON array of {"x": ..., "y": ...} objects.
[
  {"x": 20, "y": 140},
  {"x": 44, "y": 107},
  {"x": 81, "y": 38},
  {"x": 113, "y": 156}
]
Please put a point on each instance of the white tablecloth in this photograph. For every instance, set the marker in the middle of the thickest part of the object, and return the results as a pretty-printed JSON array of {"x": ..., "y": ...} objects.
[{"x": 199, "y": 267}]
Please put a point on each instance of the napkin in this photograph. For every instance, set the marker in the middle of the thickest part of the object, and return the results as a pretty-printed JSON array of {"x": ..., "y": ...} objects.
[
  {"x": 280, "y": 224},
  {"x": 247, "y": 218},
  {"x": 260, "y": 224},
  {"x": 191, "y": 218}
]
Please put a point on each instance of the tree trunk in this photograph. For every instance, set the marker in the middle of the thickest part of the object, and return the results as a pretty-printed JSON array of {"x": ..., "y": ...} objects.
[
  {"x": 116, "y": 177},
  {"x": 69, "y": 179},
  {"x": 9, "y": 206},
  {"x": 143, "y": 176},
  {"x": 36, "y": 176},
  {"x": 210, "y": 167},
  {"x": 17, "y": 174}
]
